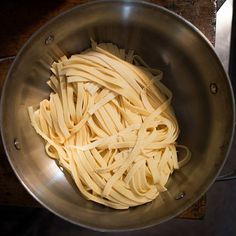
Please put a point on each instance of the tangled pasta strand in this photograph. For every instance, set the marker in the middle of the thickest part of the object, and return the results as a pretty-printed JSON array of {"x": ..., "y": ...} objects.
[{"x": 110, "y": 124}]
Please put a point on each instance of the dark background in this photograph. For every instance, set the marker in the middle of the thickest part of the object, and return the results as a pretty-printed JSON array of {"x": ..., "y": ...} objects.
[{"x": 221, "y": 205}]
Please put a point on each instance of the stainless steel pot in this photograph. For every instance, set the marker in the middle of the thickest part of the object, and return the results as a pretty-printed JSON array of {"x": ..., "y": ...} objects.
[{"x": 203, "y": 102}]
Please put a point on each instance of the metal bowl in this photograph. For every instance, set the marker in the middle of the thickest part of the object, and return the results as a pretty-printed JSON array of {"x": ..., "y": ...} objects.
[{"x": 203, "y": 103}]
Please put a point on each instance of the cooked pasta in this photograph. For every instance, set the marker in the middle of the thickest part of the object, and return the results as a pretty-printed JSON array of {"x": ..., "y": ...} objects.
[{"x": 109, "y": 123}]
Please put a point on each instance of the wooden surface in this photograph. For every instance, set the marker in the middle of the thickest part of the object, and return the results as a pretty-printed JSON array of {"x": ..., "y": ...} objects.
[{"x": 21, "y": 19}]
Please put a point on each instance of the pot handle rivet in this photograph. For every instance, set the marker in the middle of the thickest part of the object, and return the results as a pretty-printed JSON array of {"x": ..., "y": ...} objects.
[
  {"x": 213, "y": 88},
  {"x": 180, "y": 195},
  {"x": 49, "y": 39},
  {"x": 16, "y": 144}
]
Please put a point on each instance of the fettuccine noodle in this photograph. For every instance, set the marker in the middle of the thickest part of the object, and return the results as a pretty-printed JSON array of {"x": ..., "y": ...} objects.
[{"x": 110, "y": 124}]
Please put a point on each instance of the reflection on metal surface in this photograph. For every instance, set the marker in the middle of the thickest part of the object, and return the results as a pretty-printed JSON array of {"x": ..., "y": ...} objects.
[
  {"x": 223, "y": 32},
  {"x": 126, "y": 11},
  {"x": 58, "y": 177}
]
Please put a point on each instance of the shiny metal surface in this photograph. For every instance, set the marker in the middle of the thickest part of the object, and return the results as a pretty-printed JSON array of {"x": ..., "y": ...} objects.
[
  {"x": 165, "y": 41},
  {"x": 223, "y": 32}
]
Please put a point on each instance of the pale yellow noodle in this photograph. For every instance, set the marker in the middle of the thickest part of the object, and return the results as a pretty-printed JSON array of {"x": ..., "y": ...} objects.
[{"x": 110, "y": 124}]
